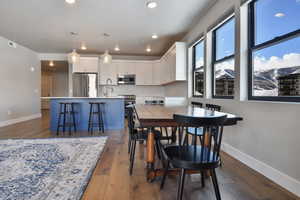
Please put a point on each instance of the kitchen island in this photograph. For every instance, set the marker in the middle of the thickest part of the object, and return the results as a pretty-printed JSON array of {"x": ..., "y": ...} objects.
[{"x": 113, "y": 111}]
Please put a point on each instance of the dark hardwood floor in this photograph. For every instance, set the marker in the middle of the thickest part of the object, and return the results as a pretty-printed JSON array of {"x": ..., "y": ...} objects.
[{"x": 111, "y": 180}]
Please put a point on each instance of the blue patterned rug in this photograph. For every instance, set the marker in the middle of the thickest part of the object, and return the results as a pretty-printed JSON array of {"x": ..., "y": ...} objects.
[{"x": 47, "y": 169}]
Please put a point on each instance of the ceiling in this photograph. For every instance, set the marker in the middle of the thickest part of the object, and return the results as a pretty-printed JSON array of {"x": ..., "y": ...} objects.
[{"x": 45, "y": 25}]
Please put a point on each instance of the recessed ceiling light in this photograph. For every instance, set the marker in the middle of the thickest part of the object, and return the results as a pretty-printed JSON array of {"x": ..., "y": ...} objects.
[
  {"x": 51, "y": 64},
  {"x": 70, "y": 1},
  {"x": 148, "y": 49},
  {"x": 279, "y": 15},
  {"x": 73, "y": 33},
  {"x": 117, "y": 48},
  {"x": 151, "y": 4},
  {"x": 106, "y": 35},
  {"x": 154, "y": 36}
]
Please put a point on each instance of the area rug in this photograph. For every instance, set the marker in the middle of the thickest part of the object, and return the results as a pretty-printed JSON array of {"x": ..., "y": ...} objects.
[{"x": 47, "y": 169}]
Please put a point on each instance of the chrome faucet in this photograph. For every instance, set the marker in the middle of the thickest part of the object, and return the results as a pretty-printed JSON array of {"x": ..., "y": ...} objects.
[{"x": 108, "y": 89}]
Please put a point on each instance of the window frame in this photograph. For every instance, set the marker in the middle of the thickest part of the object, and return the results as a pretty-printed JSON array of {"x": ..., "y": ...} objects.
[
  {"x": 214, "y": 56},
  {"x": 194, "y": 66},
  {"x": 252, "y": 48}
]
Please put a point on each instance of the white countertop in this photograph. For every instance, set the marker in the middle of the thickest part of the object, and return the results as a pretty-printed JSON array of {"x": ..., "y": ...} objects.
[{"x": 112, "y": 97}]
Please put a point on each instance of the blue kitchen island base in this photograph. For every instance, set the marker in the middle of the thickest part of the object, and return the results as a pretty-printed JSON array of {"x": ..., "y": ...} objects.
[{"x": 113, "y": 116}]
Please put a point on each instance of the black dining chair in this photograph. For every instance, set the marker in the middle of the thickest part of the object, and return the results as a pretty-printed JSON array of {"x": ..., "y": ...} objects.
[
  {"x": 213, "y": 107},
  {"x": 204, "y": 157},
  {"x": 164, "y": 136},
  {"x": 197, "y": 104},
  {"x": 139, "y": 134},
  {"x": 197, "y": 133},
  {"x": 135, "y": 134}
]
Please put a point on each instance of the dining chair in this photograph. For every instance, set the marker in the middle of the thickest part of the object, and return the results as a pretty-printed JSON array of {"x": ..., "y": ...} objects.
[
  {"x": 204, "y": 157},
  {"x": 213, "y": 107},
  {"x": 197, "y": 104},
  {"x": 135, "y": 134},
  {"x": 138, "y": 134},
  {"x": 197, "y": 133}
]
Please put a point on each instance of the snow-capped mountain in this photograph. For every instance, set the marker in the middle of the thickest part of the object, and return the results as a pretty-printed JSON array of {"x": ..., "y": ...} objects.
[
  {"x": 226, "y": 73},
  {"x": 265, "y": 82}
]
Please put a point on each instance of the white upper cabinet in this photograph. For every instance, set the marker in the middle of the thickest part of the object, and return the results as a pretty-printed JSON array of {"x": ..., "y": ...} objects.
[
  {"x": 157, "y": 73},
  {"x": 86, "y": 65},
  {"x": 174, "y": 63},
  {"x": 108, "y": 71},
  {"x": 126, "y": 67},
  {"x": 170, "y": 68},
  {"x": 144, "y": 73},
  {"x": 180, "y": 60}
]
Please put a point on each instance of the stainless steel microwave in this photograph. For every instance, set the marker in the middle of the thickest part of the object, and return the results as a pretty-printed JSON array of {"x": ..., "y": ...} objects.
[{"x": 128, "y": 79}]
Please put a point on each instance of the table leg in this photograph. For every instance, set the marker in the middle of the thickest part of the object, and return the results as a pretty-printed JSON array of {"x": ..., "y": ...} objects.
[
  {"x": 150, "y": 155},
  {"x": 207, "y": 141}
]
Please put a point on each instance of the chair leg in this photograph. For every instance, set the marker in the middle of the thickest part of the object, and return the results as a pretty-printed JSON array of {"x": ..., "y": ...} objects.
[
  {"x": 165, "y": 175},
  {"x": 129, "y": 144},
  {"x": 194, "y": 139},
  {"x": 59, "y": 120},
  {"x": 73, "y": 118},
  {"x": 69, "y": 121},
  {"x": 99, "y": 118},
  {"x": 221, "y": 161},
  {"x": 203, "y": 179},
  {"x": 215, "y": 183},
  {"x": 158, "y": 150},
  {"x": 132, "y": 157},
  {"x": 90, "y": 118},
  {"x": 65, "y": 112},
  {"x": 181, "y": 185},
  {"x": 102, "y": 117}
]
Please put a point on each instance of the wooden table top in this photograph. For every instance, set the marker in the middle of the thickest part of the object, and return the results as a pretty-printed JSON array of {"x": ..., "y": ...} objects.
[{"x": 157, "y": 115}]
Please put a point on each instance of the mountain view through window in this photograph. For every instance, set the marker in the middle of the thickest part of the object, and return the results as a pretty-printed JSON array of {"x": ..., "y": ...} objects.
[{"x": 276, "y": 64}]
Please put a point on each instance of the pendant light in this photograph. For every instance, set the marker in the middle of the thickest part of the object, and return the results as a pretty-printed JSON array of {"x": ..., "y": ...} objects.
[
  {"x": 106, "y": 58},
  {"x": 73, "y": 57}
]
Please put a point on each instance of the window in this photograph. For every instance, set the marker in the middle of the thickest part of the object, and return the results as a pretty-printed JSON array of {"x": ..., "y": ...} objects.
[
  {"x": 274, "y": 48},
  {"x": 198, "y": 69},
  {"x": 223, "y": 60}
]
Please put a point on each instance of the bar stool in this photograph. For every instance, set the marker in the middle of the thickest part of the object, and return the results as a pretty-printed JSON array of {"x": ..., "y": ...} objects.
[
  {"x": 66, "y": 117},
  {"x": 96, "y": 109}
]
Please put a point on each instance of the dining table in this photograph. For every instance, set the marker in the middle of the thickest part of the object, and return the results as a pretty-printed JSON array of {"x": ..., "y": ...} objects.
[{"x": 152, "y": 116}]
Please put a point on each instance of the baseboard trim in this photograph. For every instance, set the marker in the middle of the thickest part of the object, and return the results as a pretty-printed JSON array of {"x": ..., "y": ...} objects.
[
  {"x": 278, "y": 177},
  {"x": 20, "y": 119}
]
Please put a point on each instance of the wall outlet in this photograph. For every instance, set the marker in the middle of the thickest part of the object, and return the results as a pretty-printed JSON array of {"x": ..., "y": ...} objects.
[
  {"x": 32, "y": 69},
  {"x": 9, "y": 112}
]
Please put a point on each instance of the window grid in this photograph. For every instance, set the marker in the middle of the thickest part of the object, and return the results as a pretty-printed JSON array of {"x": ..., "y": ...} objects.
[
  {"x": 216, "y": 61},
  {"x": 195, "y": 70},
  {"x": 252, "y": 48}
]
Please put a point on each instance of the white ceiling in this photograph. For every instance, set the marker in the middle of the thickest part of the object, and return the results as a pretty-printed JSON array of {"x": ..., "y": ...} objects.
[{"x": 45, "y": 25}]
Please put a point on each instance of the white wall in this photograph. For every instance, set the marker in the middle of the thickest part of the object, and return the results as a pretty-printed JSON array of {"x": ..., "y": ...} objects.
[
  {"x": 19, "y": 85},
  {"x": 269, "y": 133},
  {"x": 177, "y": 89}
]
